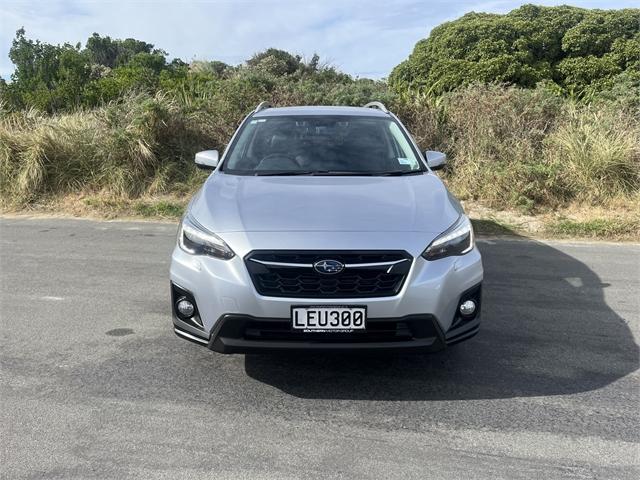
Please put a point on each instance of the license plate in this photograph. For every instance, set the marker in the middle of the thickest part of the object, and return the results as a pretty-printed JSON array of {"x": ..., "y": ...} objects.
[{"x": 328, "y": 319}]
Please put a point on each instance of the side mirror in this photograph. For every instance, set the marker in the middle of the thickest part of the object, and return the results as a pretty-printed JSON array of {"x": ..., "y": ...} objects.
[
  {"x": 207, "y": 160},
  {"x": 435, "y": 160}
]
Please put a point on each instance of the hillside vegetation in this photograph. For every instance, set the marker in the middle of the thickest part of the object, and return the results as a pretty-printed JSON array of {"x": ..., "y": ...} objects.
[
  {"x": 572, "y": 50},
  {"x": 117, "y": 123}
]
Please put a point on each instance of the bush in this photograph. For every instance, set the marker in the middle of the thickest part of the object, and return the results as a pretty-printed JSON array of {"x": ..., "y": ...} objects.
[{"x": 580, "y": 50}]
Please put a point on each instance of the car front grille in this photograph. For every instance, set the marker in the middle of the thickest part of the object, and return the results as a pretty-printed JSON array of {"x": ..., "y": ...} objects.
[{"x": 278, "y": 273}]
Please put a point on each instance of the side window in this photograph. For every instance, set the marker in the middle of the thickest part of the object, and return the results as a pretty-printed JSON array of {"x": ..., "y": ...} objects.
[{"x": 402, "y": 149}]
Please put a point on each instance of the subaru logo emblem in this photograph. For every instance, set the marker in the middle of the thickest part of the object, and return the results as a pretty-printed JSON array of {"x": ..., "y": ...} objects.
[{"x": 328, "y": 267}]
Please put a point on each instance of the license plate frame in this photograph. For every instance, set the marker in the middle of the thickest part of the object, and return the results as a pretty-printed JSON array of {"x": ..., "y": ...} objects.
[{"x": 318, "y": 324}]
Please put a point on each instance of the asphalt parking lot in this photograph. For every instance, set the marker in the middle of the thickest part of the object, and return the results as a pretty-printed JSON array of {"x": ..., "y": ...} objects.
[{"x": 94, "y": 383}]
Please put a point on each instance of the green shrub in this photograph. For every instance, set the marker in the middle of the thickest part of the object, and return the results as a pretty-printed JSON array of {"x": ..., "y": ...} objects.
[{"x": 581, "y": 50}]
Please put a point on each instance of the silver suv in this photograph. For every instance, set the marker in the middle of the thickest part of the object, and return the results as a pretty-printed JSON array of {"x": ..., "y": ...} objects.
[{"x": 324, "y": 228}]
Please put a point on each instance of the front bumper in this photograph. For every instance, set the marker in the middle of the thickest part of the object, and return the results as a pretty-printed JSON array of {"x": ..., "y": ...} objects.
[
  {"x": 228, "y": 304},
  {"x": 413, "y": 334}
]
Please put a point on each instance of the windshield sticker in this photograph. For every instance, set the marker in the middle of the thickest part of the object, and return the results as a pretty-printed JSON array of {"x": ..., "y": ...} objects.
[{"x": 404, "y": 161}]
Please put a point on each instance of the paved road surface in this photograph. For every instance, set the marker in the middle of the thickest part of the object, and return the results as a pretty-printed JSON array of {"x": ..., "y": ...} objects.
[{"x": 94, "y": 384}]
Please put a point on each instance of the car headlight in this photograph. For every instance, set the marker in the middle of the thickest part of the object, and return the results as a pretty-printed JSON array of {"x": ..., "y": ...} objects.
[
  {"x": 193, "y": 238},
  {"x": 457, "y": 240}
]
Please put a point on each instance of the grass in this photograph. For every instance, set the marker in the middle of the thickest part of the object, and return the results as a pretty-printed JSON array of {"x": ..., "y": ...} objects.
[
  {"x": 138, "y": 146},
  {"x": 113, "y": 207},
  {"x": 596, "y": 228},
  {"x": 161, "y": 209},
  {"x": 614, "y": 222},
  {"x": 532, "y": 150}
]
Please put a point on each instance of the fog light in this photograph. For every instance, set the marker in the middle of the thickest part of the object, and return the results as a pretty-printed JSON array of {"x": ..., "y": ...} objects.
[
  {"x": 186, "y": 308},
  {"x": 467, "y": 308}
]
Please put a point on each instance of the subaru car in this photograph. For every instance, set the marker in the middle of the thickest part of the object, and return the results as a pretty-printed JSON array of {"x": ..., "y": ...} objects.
[{"x": 324, "y": 229}]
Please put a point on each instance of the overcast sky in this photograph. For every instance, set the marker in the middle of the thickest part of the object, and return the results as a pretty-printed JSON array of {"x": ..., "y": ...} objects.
[{"x": 363, "y": 38}]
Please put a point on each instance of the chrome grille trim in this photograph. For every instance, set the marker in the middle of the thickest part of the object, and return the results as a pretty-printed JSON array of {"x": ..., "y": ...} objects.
[{"x": 347, "y": 265}]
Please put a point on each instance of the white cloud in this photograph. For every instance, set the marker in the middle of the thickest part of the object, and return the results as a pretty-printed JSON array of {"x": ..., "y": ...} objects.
[{"x": 365, "y": 38}]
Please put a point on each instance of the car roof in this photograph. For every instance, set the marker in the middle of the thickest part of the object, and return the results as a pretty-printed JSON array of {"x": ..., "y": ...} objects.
[{"x": 313, "y": 110}]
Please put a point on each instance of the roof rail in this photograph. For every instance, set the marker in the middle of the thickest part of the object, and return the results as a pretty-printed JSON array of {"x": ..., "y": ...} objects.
[
  {"x": 378, "y": 105},
  {"x": 262, "y": 106}
]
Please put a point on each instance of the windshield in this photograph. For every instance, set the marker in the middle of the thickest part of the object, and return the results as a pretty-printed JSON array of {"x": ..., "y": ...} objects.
[{"x": 322, "y": 145}]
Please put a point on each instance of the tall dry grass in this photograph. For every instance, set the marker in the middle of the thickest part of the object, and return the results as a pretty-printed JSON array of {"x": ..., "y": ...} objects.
[
  {"x": 529, "y": 148},
  {"x": 508, "y": 147},
  {"x": 138, "y": 145},
  {"x": 597, "y": 152}
]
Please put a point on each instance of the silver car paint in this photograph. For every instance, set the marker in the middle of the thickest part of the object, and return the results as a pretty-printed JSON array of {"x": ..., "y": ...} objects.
[
  {"x": 324, "y": 213},
  {"x": 414, "y": 203}
]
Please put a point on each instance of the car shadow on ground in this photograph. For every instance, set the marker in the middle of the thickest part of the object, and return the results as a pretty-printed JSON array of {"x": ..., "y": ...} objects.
[{"x": 546, "y": 330}]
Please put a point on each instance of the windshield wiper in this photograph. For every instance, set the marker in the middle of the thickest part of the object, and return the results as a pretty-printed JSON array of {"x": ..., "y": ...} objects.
[
  {"x": 343, "y": 173},
  {"x": 284, "y": 173},
  {"x": 367, "y": 174},
  {"x": 314, "y": 172},
  {"x": 337, "y": 173},
  {"x": 397, "y": 173}
]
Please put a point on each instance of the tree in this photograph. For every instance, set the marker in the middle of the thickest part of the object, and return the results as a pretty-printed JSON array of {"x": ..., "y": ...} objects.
[
  {"x": 46, "y": 76},
  {"x": 113, "y": 53},
  {"x": 574, "y": 47},
  {"x": 59, "y": 77},
  {"x": 215, "y": 67},
  {"x": 34, "y": 62},
  {"x": 276, "y": 62},
  {"x": 102, "y": 50}
]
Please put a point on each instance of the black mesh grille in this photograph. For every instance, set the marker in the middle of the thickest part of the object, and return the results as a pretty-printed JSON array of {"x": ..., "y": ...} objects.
[
  {"x": 302, "y": 280},
  {"x": 384, "y": 331}
]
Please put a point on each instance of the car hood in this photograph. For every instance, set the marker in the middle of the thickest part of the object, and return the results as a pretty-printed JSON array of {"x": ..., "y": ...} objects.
[{"x": 411, "y": 203}]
